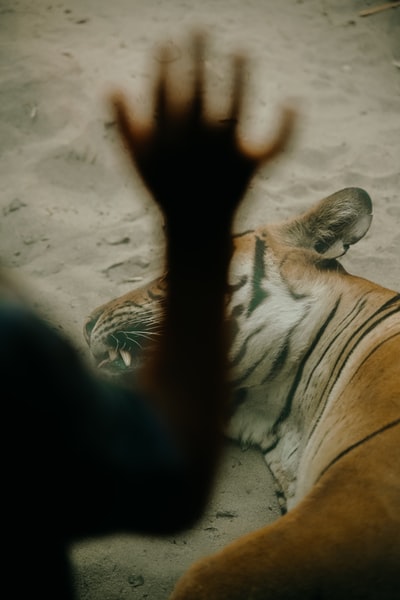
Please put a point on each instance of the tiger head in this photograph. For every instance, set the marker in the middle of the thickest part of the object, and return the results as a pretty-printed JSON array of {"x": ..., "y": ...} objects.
[{"x": 273, "y": 276}]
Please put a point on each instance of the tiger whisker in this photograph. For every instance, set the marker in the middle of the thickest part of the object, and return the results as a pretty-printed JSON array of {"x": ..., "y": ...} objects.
[
  {"x": 134, "y": 342},
  {"x": 143, "y": 334}
]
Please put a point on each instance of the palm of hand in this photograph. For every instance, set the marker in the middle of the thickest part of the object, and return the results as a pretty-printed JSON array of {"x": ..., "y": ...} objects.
[{"x": 187, "y": 158}]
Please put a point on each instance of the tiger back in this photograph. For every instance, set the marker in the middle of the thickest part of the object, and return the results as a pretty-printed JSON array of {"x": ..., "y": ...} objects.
[{"x": 315, "y": 374}]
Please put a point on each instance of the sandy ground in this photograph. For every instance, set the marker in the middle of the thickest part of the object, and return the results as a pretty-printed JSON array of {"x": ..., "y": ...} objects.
[{"x": 78, "y": 229}]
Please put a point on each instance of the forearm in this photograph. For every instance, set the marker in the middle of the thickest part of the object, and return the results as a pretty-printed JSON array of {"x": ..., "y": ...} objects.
[{"x": 187, "y": 373}]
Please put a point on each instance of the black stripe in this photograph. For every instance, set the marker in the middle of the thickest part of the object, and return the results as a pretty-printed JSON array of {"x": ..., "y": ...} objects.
[
  {"x": 279, "y": 493},
  {"x": 242, "y": 233},
  {"x": 344, "y": 323},
  {"x": 128, "y": 305},
  {"x": 378, "y": 322},
  {"x": 335, "y": 376},
  {"x": 396, "y": 298},
  {"x": 243, "y": 348},
  {"x": 382, "y": 343},
  {"x": 339, "y": 366},
  {"x": 237, "y": 286},
  {"x": 359, "y": 443},
  {"x": 283, "y": 352},
  {"x": 288, "y": 404},
  {"x": 279, "y": 360},
  {"x": 258, "y": 294},
  {"x": 240, "y": 355}
]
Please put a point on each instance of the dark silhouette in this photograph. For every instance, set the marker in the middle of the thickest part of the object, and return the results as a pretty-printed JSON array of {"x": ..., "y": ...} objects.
[{"x": 85, "y": 457}]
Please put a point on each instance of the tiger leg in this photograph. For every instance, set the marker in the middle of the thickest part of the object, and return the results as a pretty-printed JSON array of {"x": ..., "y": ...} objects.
[{"x": 340, "y": 542}]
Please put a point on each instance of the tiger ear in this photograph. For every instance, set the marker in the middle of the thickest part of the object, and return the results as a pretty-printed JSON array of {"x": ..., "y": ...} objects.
[{"x": 334, "y": 224}]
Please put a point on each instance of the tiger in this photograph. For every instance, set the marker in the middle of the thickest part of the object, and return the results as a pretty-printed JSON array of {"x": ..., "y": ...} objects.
[{"x": 314, "y": 367}]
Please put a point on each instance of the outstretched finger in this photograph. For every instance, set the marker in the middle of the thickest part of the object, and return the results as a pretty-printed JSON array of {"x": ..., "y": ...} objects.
[
  {"x": 278, "y": 142},
  {"x": 198, "y": 52},
  {"x": 236, "y": 107},
  {"x": 161, "y": 87},
  {"x": 131, "y": 133}
]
